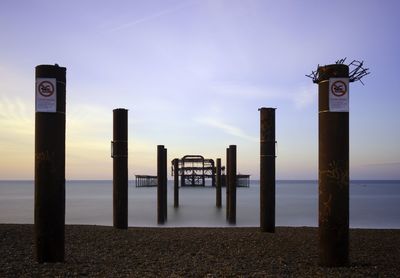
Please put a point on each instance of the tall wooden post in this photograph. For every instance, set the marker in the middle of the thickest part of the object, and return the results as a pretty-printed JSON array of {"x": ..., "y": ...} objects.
[
  {"x": 120, "y": 168},
  {"x": 267, "y": 169},
  {"x": 50, "y": 163},
  {"x": 333, "y": 165},
  {"x": 232, "y": 184},
  {"x": 176, "y": 182},
  {"x": 219, "y": 183}
]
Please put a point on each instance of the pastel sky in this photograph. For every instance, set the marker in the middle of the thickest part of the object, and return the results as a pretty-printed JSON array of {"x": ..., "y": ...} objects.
[{"x": 193, "y": 74}]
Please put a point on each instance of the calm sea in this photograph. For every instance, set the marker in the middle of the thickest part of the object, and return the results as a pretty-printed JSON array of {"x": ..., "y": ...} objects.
[{"x": 373, "y": 204}]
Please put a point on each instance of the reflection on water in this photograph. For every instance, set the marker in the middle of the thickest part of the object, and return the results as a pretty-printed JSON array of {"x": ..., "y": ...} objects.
[{"x": 373, "y": 204}]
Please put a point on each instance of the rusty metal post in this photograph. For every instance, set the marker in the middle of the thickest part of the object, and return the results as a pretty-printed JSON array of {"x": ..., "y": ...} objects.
[
  {"x": 160, "y": 185},
  {"x": 227, "y": 184},
  {"x": 50, "y": 163},
  {"x": 165, "y": 185},
  {"x": 120, "y": 168},
  {"x": 219, "y": 183},
  {"x": 232, "y": 184},
  {"x": 333, "y": 173},
  {"x": 267, "y": 169},
  {"x": 176, "y": 182}
]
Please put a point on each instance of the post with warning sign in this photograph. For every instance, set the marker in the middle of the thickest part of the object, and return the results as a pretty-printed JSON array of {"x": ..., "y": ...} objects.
[
  {"x": 50, "y": 163},
  {"x": 333, "y": 91},
  {"x": 333, "y": 162},
  {"x": 267, "y": 169},
  {"x": 119, "y": 153}
]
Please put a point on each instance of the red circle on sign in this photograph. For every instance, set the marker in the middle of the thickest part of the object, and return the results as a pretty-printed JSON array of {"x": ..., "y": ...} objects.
[
  {"x": 339, "y": 88},
  {"x": 46, "y": 88}
]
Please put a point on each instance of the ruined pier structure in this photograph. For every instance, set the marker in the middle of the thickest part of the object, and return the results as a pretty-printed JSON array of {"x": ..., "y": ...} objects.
[{"x": 195, "y": 170}]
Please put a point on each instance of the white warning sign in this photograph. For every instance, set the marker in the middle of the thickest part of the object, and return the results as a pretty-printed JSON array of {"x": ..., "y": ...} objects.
[
  {"x": 46, "y": 95},
  {"x": 338, "y": 94}
]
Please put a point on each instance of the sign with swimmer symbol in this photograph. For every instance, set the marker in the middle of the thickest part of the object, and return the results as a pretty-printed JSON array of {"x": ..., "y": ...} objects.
[
  {"x": 46, "y": 95},
  {"x": 338, "y": 94}
]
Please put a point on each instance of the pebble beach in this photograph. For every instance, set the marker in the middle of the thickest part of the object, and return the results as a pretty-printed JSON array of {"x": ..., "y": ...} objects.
[{"x": 102, "y": 251}]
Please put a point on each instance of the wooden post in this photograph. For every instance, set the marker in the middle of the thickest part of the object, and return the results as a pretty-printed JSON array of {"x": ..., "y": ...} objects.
[
  {"x": 120, "y": 168},
  {"x": 50, "y": 163},
  {"x": 219, "y": 183},
  {"x": 267, "y": 169},
  {"x": 176, "y": 182},
  {"x": 232, "y": 184},
  {"x": 333, "y": 168}
]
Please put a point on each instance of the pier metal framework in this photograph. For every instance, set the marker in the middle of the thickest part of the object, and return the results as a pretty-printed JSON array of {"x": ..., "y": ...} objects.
[
  {"x": 146, "y": 181},
  {"x": 194, "y": 170}
]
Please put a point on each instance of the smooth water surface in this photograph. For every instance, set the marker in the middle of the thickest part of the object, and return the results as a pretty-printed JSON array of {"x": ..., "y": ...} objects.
[{"x": 373, "y": 204}]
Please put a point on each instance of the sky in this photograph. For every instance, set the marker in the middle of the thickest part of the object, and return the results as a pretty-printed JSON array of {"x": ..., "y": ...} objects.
[{"x": 192, "y": 74}]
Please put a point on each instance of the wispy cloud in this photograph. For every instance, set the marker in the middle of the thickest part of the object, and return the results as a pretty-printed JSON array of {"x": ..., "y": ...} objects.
[
  {"x": 226, "y": 128},
  {"x": 150, "y": 17},
  {"x": 304, "y": 96},
  {"x": 301, "y": 96}
]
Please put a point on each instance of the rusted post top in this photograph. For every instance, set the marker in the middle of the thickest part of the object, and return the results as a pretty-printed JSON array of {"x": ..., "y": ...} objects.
[
  {"x": 355, "y": 71},
  {"x": 122, "y": 109},
  {"x": 266, "y": 108},
  {"x": 334, "y": 70},
  {"x": 52, "y": 71}
]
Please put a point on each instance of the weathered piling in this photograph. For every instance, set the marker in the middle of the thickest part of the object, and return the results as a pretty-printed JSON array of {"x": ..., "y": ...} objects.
[
  {"x": 333, "y": 165},
  {"x": 232, "y": 184},
  {"x": 50, "y": 163},
  {"x": 176, "y": 182},
  {"x": 267, "y": 169},
  {"x": 120, "y": 168},
  {"x": 227, "y": 184},
  {"x": 165, "y": 185},
  {"x": 161, "y": 186},
  {"x": 219, "y": 184}
]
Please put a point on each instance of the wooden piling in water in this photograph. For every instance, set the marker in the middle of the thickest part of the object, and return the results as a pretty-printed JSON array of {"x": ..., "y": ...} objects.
[
  {"x": 120, "y": 168},
  {"x": 50, "y": 163},
  {"x": 267, "y": 169}
]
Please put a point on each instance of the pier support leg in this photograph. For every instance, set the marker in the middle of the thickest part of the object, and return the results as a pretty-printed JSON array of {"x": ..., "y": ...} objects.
[
  {"x": 232, "y": 184},
  {"x": 267, "y": 169},
  {"x": 120, "y": 168},
  {"x": 176, "y": 183},
  {"x": 50, "y": 163},
  {"x": 161, "y": 186},
  {"x": 227, "y": 184},
  {"x": 333, "y": 173},
  {"x": 219, "y": 183}
]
